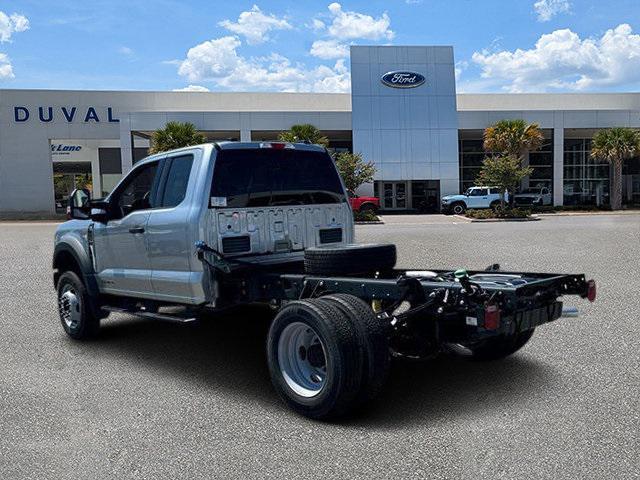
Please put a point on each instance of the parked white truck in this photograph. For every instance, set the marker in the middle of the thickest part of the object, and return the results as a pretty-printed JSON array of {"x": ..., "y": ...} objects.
[{"x": 222, "y": 225}]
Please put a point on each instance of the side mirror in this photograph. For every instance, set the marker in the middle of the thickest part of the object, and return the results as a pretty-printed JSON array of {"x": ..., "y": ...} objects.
[{"x": 79, "y": 206}]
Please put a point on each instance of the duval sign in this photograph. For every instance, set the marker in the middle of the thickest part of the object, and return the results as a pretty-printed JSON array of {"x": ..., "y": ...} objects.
[
  {"x": 402, "y": 79},
  {"x": 68, "y": 114}
]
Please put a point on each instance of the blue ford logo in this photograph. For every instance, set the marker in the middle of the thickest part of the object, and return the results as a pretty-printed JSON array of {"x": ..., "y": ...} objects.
[{"x": 402, "y": 79}]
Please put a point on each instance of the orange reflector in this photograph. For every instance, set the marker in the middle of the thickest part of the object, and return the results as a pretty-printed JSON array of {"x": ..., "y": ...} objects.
[{"x": 491, "y": 317}]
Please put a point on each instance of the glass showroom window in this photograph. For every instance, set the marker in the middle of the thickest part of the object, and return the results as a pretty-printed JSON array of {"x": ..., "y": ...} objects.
[
  {"x": 471, "y": 157},
  {"x": 586, "y": 180},
  {"x": 542, "y": 163}
]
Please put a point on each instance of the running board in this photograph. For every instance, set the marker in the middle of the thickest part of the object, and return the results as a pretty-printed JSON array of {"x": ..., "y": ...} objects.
[{"x": 165, "y": 317}]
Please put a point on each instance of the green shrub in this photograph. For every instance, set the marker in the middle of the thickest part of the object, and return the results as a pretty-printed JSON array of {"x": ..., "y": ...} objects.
[
  {"x": 506, "y": 213},
  {"x": 365, "y": 216},
  {"x": 482, "y": 214}
]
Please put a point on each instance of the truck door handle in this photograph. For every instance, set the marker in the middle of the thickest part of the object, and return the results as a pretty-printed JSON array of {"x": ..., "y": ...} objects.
[{"x": 136, "y": 230}]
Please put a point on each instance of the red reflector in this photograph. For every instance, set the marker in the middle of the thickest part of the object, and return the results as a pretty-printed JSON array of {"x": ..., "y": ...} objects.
[
  {"x": 491, "y": 317},
  {"x": 591, "y": 290},
  {"x": 278, "y": 146}
]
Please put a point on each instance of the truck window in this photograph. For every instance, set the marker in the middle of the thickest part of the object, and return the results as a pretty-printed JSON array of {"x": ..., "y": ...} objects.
[
  {"x": 478, "y": 192},
  {"x": 175, "y": 187},
  {"x": 136, "y": 192},
  {"x": 269, "y": 177}
]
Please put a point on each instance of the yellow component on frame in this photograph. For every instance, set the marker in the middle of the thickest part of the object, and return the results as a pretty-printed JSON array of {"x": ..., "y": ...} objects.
[{"x": 376, "y": 305}]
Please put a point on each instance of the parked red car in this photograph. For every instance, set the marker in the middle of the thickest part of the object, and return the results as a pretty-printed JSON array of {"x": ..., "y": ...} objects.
[{"x": 364, "y": 204}]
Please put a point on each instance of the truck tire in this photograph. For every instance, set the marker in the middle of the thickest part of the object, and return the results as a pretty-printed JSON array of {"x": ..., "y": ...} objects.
[
  {"x": 77, "y": 309},
  {"x": 374, "y": 338},
  {"x": 458, "y": 208},
  {"x": 498, "y": 347},
  {"x": 352, "y": 259},
  {"x": 315, "y": 358},
  {"x": 368, "y": 207},
  {"x": 495, "y": 205}
]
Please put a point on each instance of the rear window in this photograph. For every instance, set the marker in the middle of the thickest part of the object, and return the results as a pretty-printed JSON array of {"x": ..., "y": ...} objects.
[{"x": 268, "y": 177}]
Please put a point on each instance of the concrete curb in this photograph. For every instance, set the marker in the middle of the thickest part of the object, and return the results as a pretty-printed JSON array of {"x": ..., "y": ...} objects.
[
  {"x": 496, "y": 220},
  {"x": 571, "y": 214},
  {"x": 378, "y": 222}
]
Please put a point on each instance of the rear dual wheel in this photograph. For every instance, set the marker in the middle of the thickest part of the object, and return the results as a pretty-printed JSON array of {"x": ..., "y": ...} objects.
[{"x": 327, "y": 355}]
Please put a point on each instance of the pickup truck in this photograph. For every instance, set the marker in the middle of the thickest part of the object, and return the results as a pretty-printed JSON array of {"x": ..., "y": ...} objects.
[
  {"x": 360, "y": 203},
  {"x": 216, "y": 226},
  {"x": 474, "y": 197},
  {"x": 535, "y": 196}
]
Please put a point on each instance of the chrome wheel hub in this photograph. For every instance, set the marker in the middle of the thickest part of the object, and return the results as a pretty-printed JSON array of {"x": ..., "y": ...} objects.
[
  {"x": 69, "y": 307},
  {"x": 302, "y": 359}
]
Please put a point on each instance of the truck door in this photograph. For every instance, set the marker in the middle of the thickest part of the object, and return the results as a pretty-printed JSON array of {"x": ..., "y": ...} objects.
[
  {"x": 478, "y": 198},
  {"x": 168, "y": 233},
  {"x": 120, "y": 250}
]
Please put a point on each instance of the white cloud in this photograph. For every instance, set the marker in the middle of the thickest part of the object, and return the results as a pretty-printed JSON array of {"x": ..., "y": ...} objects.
[
  {"x": 317, "y": 25},
  {"x": 211, "y": 59},
  {"x": 6, "y": 70},
  {"x": 192, "y": 88},
  {"x": 547, "y": 9},
  {"x": 10, "y": 24},
  {"x": 351, "y": 25},
  {"x": 218, "y": 61},
  {"x": 329, "y": 49},
  {"x": 254, "y": 25},
  {"x": 126, "y": 51},
  {"x": 561, "y": 60},
  {"x": 460, "y": 67}
]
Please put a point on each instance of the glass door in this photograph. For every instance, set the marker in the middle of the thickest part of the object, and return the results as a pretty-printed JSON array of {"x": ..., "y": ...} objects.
[
  {"x": 68, "y": 176},
  {"x": 394, "y": 195}
]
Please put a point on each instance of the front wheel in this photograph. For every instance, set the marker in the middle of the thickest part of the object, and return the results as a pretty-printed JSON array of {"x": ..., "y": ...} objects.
[
  {"x": 458, "y": 208},
  {"x": 369, "y": 207},
  {"x": 493, "y": 348},
  {"x": 76, "y": 308}
]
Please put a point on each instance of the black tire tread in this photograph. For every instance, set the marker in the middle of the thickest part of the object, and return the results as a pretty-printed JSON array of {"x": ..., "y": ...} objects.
[
  {"x": 373, "y": 334},
  {"x": 350, "y": 261}
]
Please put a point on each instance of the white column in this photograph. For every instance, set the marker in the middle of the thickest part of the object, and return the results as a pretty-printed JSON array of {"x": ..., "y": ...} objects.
[
  {"x": 95, "y": 175},
  {"x": 245, "y": 126},
  {"x": 558, "y": 165},
  {"x": 245, "y": 135},
  {"x": 126, "y": 144}
]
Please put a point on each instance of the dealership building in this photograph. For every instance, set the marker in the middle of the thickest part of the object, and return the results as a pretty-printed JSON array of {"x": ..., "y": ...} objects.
[{"x": 403, "y": 113}]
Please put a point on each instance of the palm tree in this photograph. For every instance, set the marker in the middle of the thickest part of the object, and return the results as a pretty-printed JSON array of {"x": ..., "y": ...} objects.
[
  {"x": 615, "y": 145},
  {"x": 513, "y": 138},
  {"x": 175, "y": 135},
  {"x": 304, "y": 133}
]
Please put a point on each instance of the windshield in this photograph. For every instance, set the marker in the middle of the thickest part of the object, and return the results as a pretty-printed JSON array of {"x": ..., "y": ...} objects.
[{"x": 268, "y": 177}]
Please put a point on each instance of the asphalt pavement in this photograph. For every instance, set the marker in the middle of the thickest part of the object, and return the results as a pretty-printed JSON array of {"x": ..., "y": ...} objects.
[{"x": 159, "y": 400}]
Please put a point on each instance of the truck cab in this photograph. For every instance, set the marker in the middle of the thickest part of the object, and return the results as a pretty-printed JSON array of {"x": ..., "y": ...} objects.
[{"x": 267, "y": 201}]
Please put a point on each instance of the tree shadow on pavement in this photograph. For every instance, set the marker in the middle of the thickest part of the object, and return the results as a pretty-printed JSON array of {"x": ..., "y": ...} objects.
[{"x": 227, "y": 352}]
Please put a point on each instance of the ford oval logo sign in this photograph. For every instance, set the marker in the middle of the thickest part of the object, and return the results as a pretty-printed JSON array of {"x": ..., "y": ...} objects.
[{"x": 401, "y": 79}]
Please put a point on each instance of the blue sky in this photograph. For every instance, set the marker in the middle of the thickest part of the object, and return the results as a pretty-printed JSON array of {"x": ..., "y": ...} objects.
[{"x": 272, "y": 45}]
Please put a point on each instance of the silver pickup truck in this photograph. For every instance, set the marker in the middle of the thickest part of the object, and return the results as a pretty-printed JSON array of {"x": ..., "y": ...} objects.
[{"x": 216, "y": 226}]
